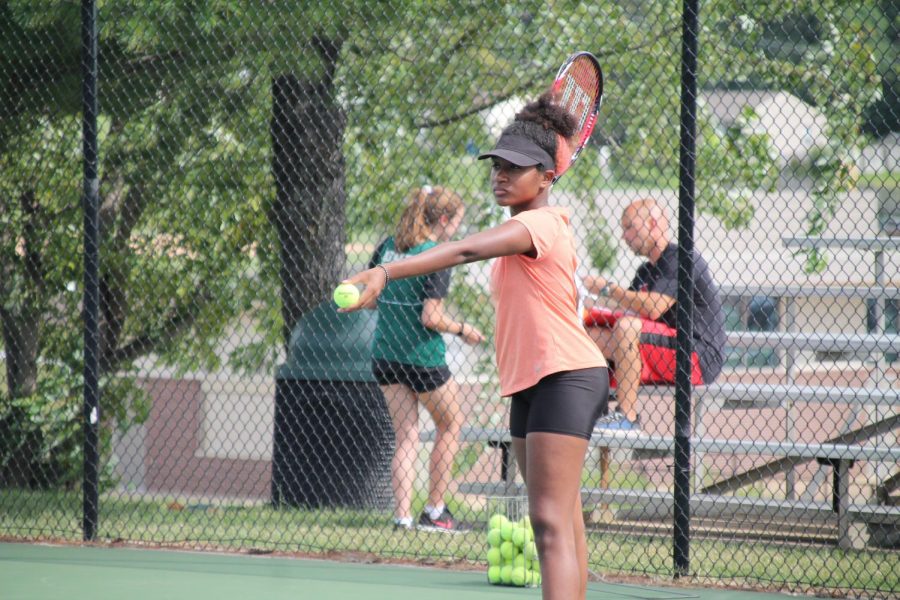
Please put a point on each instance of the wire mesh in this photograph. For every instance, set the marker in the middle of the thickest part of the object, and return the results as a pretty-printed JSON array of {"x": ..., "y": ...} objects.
[{"x": 252, "y": 155}]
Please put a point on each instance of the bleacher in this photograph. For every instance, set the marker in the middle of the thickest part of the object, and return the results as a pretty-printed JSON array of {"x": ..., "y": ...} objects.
[{"x": 875, "y": 401}]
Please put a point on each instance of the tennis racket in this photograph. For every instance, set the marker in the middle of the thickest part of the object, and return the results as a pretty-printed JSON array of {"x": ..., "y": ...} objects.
[{"x": 578, "y": 87}]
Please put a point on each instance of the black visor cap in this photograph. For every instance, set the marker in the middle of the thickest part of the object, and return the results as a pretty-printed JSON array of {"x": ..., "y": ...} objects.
[{"x": 520, "y": 151}]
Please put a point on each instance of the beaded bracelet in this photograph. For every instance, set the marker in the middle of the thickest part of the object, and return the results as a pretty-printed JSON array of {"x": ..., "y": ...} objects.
[{"x": 387, "y": 276}]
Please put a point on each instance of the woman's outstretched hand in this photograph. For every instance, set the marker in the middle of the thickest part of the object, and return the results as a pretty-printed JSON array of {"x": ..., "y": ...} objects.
[{"x": 373, "y": 281}]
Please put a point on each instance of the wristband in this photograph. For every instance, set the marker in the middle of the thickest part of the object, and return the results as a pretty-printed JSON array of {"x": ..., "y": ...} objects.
[
  {"x": 387, "y": 277},
  {"x": 462, "y": 330}
]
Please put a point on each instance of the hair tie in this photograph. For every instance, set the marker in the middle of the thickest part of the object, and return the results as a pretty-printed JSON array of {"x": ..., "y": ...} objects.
[{"x": 427, "y": 189}]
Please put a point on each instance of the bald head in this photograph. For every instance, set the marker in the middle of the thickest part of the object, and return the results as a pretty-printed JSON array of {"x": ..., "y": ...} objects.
[
  {"x": 645, "y": 228},
  {"x": 649, "y": 208}
]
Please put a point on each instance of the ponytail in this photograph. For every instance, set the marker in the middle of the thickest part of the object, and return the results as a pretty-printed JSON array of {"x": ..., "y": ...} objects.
[{"x": 423, "y": 211}]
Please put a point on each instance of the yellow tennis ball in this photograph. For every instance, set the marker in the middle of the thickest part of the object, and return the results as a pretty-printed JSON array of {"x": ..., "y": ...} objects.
[
  {"x": 530, "y": 551},
  {"x": 507, "y": 550},
  {"x": 494, "y": 538},
  {"x": 346, "y": 295},
  {"x": 506, "y": 574},
  {"x": 518, "y": 576},
  {"x": 494, "y": 575},
  {"x": 519, "y": 562},
  {"x": 519, "y": 536},
  {"x": 494, "y": 557},
  {"x": 496, "y": 521},
  {"x": 506, "y": 530}
]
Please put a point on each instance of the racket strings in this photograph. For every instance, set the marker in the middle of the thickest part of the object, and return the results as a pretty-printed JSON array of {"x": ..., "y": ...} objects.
[
  {"x": 578, "y": 92},
  {"x": 578, "y": 89}
]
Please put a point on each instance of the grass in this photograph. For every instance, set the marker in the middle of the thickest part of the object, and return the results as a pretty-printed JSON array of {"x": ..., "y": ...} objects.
[{"x": 27, "y": 515}]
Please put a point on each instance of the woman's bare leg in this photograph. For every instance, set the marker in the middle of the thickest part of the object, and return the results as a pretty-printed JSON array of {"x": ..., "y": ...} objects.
[
  {"x": 551, "y": 465},
  {"x": 443, "y": 406},
  {"x": 404, "y": 410},
  {"x": 581, "y": 549}
]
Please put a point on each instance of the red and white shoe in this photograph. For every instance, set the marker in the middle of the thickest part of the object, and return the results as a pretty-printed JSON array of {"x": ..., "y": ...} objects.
[{"x": 445, "y": 522}]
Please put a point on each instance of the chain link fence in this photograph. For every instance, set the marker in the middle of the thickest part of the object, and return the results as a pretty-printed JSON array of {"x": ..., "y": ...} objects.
[{"x": 251, "y": 155}]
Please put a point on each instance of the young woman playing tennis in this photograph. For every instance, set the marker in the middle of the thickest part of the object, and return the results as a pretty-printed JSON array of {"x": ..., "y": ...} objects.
[
  {"x": 548, "y": 365},
  {"x": 409, "y": 355}
]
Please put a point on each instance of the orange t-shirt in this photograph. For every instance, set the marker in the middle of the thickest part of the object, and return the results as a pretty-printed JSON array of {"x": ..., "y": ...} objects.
[{"x": 539, "y": 323}]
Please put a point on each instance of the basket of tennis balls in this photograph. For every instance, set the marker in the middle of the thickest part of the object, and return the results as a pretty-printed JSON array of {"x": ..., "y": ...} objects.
[{"x": 511, "y": 552}]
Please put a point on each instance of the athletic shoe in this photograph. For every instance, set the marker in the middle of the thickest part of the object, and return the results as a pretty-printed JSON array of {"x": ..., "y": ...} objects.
[
  {"x": 617, "y": 424},
  {"x": 445, "y": 522}
]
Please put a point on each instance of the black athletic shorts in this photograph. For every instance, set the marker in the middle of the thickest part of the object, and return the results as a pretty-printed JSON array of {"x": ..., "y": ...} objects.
[
  {"x": 567, "y": 402},
  {"x": 418, "y": 379}
]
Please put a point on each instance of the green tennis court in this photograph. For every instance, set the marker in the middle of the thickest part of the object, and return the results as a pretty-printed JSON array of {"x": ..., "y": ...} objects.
[{"x": 41, "y": 572}]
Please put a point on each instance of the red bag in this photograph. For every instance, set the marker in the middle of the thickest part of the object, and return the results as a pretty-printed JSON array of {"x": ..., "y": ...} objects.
[{"x": 599, "y": 316}]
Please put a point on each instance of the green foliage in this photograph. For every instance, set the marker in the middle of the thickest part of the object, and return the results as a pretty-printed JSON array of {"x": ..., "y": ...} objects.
[
  {"x": 601, "y": 249},
  {"x": 43, "y": 432},
  {"x": 749, "y": 158},
  {"x": 186, "y": 187},
  {"x": 467, "y": 458},
  {"x": 837, "y": 72}
]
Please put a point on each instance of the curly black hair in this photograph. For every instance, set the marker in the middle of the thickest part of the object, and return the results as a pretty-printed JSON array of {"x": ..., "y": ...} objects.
[{"x": 542, "y": 121}]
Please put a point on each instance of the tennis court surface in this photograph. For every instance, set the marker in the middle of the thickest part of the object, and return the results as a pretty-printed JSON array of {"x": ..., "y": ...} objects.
[{"x": 41, "y": 572}]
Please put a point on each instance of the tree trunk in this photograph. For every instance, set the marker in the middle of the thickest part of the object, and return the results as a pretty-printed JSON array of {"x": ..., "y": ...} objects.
[
  {"x": 307, "y": 129},
  {"x": 19, "y": 443},
  {"x": 20, "y": 339},
  {"x": 20, "y": 327}
]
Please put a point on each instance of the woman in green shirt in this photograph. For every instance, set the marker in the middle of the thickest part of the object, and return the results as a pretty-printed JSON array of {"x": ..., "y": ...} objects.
[{"x": 409, "y": 355}]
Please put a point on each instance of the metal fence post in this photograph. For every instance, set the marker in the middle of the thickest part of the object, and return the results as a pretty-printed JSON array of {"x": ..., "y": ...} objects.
[
  {"x": 685, "y": 304},
  {"x": 91, "y": 409}
]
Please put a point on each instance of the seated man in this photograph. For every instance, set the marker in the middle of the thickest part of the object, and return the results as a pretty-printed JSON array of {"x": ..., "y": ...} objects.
[{"x": 640, "y": 343}]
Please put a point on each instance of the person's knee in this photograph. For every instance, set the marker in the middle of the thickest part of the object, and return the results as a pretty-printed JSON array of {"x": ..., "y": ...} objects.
[
  {"x": 547, "y": 524},
  {"x": 627, "y": 331},
  {"x": 449, "y": 418},
  {"x": 448, "y": 425},
  {"x": 406, "y": 434}
]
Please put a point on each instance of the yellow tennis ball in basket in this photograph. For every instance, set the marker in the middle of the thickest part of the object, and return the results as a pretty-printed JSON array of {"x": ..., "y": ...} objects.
[
  {"x": 494, "y": 557},
  {"x": 507, "y": 550},
  {"x": 530, "y": 551},
  {"x": 506, "y": 530},
  {"x": 494, "y": 538},
  {"x": 346, "y": 295},
  {"x": 496, "y": 521},
  {"x": 519, "y": 536},
  {"x": 494, "y": 574}
]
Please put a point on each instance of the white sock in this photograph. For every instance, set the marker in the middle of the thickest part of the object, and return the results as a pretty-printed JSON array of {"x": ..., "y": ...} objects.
[
  {"x": 434, "y": 511},
  {"x": 403, "y": 521}
]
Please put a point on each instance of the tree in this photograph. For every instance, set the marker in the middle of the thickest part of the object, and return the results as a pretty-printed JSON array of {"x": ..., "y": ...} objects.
[
  {"x": 240, "y": 143},
  {"x": 170, "y": 281}
]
